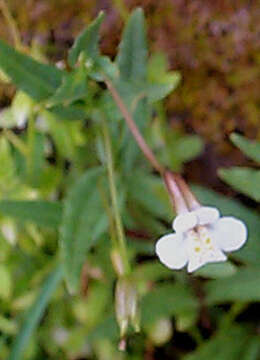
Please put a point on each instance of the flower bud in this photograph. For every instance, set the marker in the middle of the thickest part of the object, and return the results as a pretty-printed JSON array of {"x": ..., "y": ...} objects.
[
  {"x": 185, "y": 321},
  {"x": 126, "y": 305},
  {"x": 161, "y": 331},
  {"x": 121, "y": 306},
  {"x": 117, "y": 262},
  {"x": 132, "y": 307}
]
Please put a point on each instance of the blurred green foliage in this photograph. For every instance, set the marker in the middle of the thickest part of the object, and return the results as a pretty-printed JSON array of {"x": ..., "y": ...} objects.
[{"x": 56, "y": 215}]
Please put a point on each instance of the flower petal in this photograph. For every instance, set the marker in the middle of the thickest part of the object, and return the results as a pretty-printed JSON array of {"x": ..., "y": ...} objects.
[
  {"x": 207, "y": 215},
  {"x": 171, "y": 251},
  {"x": 185, "y": 222},
  {"x": 202, "y": 249},
  {"x": 229, "y": 233},
  {"x": 196, "y": 262}
]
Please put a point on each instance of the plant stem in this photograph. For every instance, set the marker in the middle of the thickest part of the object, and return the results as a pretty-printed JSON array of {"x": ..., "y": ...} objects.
[
  {"x": 31, "y": 142},
  {"x": 113, "y": 192},
  {"x": 16, "y": 141},
  {"x": 182, "y": 198},
  {"x": 11, "y": 24},
  {"x": 109, "y": 215},
  {"x": 133, "y": 128}
]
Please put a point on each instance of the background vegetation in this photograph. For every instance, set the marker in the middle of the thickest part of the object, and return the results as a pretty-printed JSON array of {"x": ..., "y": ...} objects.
[{"x": 193, "y": 90}]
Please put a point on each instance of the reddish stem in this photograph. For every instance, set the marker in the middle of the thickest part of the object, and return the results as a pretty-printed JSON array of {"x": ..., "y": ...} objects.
[
  {"x": 176, "y": 186},
  {"x": 133, "y": 128}
]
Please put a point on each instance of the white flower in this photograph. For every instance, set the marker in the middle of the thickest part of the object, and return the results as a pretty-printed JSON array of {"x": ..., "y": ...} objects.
[{"x": 201, "y": 236}]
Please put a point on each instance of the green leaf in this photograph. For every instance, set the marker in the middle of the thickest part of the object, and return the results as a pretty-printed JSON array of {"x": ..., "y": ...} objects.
[
  {"x": 156, "y": 92},
  {"x": 43, "y": 213},
  {"x": 242, "y": 286},
  {"x": 35, "y": 313},
  {"x": 36, "y": 159},
  {"x": 106, "y": 329},
  {"x": 36, "y": 79},
  {"x": 7, "y": 170},
  {"x": 250, "y": 148},
  {"x": 5, "y": 282},
  {"x": 103, "y": 65},
  {"x": 244, "y": 180},
  {"x": 64, "y": 135},
  {"x": 72, "y": 88},
  {"x": 180, "y": 148},
  {"x": 157, "y": 70},
  {"x": 82, "y": 224},
  {"x": 252, "y": 350},
  {"x": 151, "y": 271},
  {"x": 143, "y": 189},
  {"x": 132, "y": 56},
  {"x": 217, "y": 270},
  {"x": 72, "y": 112},
  {"x": 224, "y": 346},
  {"x": 131, "y": 151},
  {"x": 87, "y": 42},
  {"x": 250, "y": 252},
  {"x": 161, "y": 81},
  {"x": 167, "y": 300},
  {"x": 187, "y": 148}
]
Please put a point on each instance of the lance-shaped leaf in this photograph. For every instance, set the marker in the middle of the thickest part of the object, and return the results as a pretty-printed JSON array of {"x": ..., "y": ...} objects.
[
  {"x": 225, "y": 345},
  {"x": 36, "y": 79},
  {"x": 161, "y": 81},
  {"x": 242, "y": 286},
  {"x": 34, "y": 314},
  {"x": 83, "y": 222},
  {"x": 132, "y": 56},
  {"x": 87, "y": 42},
  {"x": 72, "y": 112},
  {"x": 130, "y": 151},
  {"x": 73, "y": 87},
  {"x": 39, "y": 212},
  {"x": 217, "y": 270},
  {"x": 39, "y": 81},
  {"x": 250, "y": 148},
  {"x": 167, "y": 300},
  {"x": 244, "y": 180}
]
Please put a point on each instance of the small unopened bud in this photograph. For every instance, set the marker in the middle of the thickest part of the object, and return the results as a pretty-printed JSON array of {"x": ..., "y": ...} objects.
[
  {"x": 117, "y": 262},
  {"x": 161, "y": 331},
  {"x": 9, "y": 232},
  {"x": 121, "y": 306},
  {"x": 122, "y": 344},
  {"x": 184, "y": 322},
  {"x": 89, "y": 63},
  {"x": 126, "y": 305},
  {"x": 132, "y": 308}
]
